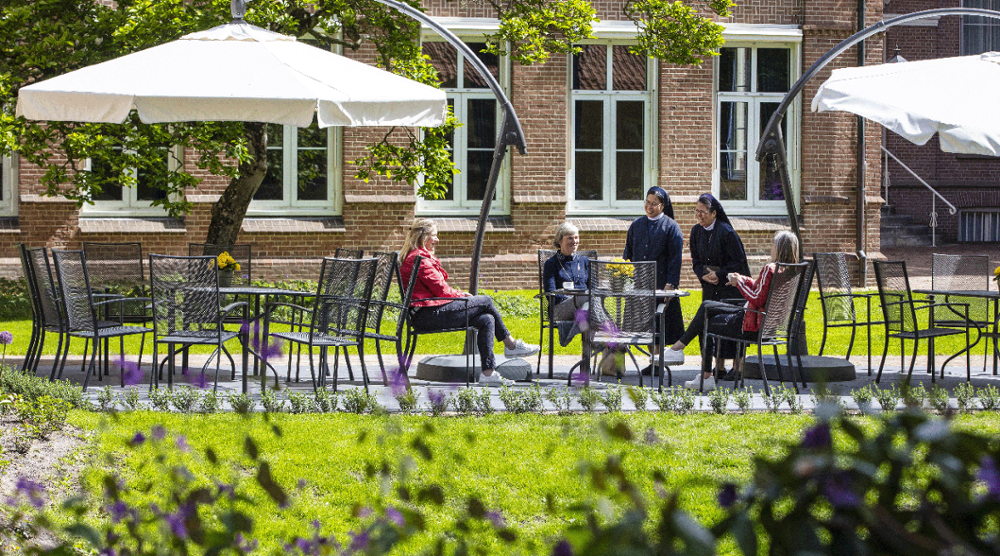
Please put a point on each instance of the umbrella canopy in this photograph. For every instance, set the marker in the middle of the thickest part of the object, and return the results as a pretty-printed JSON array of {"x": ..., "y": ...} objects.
[
  {"x": 953, "y": 97},
  {"x": 235, "y": 72}
]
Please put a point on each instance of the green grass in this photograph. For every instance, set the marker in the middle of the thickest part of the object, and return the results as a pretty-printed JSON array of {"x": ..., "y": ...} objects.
[
  {"x": 510, "y": 462},
  {"x": 520, "y": 302}
]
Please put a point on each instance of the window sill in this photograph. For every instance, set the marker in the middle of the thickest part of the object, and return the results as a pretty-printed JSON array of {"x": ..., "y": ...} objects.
[
  {"x": 289, "y": 225},
  {"x": 602, "y": 224},
  {"x": 494, "y": 224},
  {"x": 760, "y": 223},
  {"x": 131, "y": 226},
  {"x": 10, "y": 225}
]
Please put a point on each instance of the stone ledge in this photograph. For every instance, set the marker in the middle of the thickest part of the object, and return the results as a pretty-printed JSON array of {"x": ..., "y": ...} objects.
[
  {"x": 380, "y": 199},
  {"x": 531, "y": 198},
  {"x": 33, "y": 198},
  {"x": 258, "y": 225},
  {"x": 203, "y": 198},
  {"x": 131, "y": 226},
  {"x": 760, "y": 223},
  {"x": 602, "y": 223},
  {"x": 451, "y": 224},
  {"x": 826, "y": 200}
]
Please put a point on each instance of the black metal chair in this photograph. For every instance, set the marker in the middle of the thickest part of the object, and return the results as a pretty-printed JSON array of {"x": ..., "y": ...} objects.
[
  {"x": 776, "y": 323},
  {"x": 83, "y": 308},
  {"x": 797, "y": 328},
  {"x": 623, "y": 310},
  {"x": 957, "y": 273},
  {"x": 187, "y": 311},
  {"x": 242, "y": 253},
  {"x": 405, "y": 321},
  {"x": 47, "y": 313},
  {"x": 338, "y": 316},
  {"x": 344, "y": 253},
  {"x": 545, "y": 320},
  {"x": 386, "y": 276},
  {"x": 838, "y": 301},
  {"x": 899, "y": 312}
]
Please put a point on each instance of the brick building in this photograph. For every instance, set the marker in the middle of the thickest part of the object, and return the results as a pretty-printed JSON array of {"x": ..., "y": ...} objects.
[
  {"x": 970, "y": 182},
  {"x": 601, "y": 128}
]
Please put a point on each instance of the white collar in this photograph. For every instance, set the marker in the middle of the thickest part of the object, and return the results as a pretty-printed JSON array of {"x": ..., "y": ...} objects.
[
  {"x": 662, "y": 214},
  {"x": 712, "y": 227}
]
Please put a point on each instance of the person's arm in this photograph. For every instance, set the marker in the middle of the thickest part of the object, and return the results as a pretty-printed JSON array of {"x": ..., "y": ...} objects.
[
  {"x": 756, "y": 291},
  {"x": 735, "y": 256},
  {"x": 675, "y": 253},
  {"x": 550, "y": 275},
  {"x": 697, "y": 258},
  {"x": 432, "y": 277}
]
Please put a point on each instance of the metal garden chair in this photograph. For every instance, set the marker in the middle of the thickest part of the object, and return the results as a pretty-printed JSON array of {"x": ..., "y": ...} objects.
[
  {"x": 838, "y": 301},
  {"x": 545, "y": 308},
  {"x": 958, "y": 273}
]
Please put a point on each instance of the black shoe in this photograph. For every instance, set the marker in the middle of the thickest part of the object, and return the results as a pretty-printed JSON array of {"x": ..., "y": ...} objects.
[
  {"x": 731, "y": 375},
  {"x": 649, "y": 371}
]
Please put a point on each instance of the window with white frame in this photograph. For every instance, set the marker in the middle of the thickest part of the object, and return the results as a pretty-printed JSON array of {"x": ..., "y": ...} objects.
[
  {"x": 8, "y": 189},
  {"x": 612, "y": 128},
  {"x": 301, "y": 176},
  {"x": 473, "y": 143},
  {"x": 751, "y": 81},
  {"x": 980, "y": 34},
  {"x": 117, "y": 200}
]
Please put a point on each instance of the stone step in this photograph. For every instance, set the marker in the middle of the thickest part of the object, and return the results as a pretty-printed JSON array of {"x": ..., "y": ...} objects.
[
  {"x": 897, "y": 220},
  {"x": 896, "y": 236}
]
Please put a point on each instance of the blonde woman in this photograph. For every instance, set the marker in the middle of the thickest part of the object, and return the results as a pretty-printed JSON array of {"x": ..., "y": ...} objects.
[
  {"x": 433, "y": 310},
  {"x": 736, "y": 321},
  {"x": 566, "y": 266}
]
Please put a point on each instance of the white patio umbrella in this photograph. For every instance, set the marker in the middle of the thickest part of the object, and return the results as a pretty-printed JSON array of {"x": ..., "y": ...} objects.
[
  {"x": 957, "y": 98},
  {"x": 235, "y": 72}
]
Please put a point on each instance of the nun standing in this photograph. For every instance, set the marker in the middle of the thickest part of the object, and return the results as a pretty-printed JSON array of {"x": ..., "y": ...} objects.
[
  {"x": 716, "y": 250},
  {"x": 657, "y": 237}
]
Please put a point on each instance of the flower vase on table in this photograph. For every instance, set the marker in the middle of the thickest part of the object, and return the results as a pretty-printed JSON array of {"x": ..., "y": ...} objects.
[
  {"x": 227, "y": 266},
  {"x": 617, "y": 284},
  {"x": 620, "y": 271},
  {"x": 225, "y": 278}
]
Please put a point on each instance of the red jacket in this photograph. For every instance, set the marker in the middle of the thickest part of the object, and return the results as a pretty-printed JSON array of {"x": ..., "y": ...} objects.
[
  {"x": 756, "y": 292},
  {"x": 432, "y": 280}
]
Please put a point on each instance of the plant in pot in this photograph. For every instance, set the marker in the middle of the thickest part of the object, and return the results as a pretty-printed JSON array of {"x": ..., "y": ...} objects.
[
  {"x": 227, "y": 266},
  {"x": 621, "y": 271}
]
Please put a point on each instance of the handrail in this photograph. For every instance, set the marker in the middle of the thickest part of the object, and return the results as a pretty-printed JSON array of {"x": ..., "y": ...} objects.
[{"x": 933, "y": 221}]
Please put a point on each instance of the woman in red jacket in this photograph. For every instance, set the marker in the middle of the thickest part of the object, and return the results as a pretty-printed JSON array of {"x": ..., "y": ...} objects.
[
  {"x": 736, "y": 320},
  {"x": 429, "y": 314}
]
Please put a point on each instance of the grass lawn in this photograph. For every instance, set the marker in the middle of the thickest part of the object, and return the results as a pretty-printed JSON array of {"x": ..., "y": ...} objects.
[
  {"x": 521, "y": 317},
  {"x": 510, "y": 462}
]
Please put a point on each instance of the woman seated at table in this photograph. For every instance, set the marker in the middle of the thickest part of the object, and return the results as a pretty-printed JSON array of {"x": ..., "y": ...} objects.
[
  {"x": 566, "y": 266},
  {"x": 428, "y": 315},
  {"x": 733, "y": 320}
]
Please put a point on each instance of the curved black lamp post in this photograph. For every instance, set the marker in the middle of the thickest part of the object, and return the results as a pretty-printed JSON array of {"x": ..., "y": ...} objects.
[{"x": 772, "y": 143}]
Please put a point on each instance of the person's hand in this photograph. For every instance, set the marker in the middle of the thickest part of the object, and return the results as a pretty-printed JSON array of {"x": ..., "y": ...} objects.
[
  {"x": 466, "y": 294},
  {"x": 711, "y": 277},
  {"x": 734, "y": 279}
]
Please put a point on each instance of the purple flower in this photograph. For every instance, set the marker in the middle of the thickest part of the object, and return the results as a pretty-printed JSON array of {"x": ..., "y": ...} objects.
[
  {"x": 32, "y": 490},
  {"x": 118, "y": 511},
  {"x": 581, "y": 318},
  {"x": 199, "y": 381},
  {"x": 818, "y": 437},
  {"x": 397, "y": 382},
  {"x": 496, "y": 518},
  {"x": 6, "y": 338},
  {"x": 228, "y": 490},
  {"x": 989, "y": 474},
  {"x": 436, "y": 397},
  {"x": 176, "y": 522},
  {"x": 182, "y": 444},
  {"x": 158, "y": 432},
  {"x": 131, "y": 373},
  {"x": 359, "y": 541},
  {"x": 580, "y": 376},
  {"x": 838, "y": 491},
  {"x": 138, "y": 439},
  {"x": 727, "y": 495},
  {"x": 395, "y": 517},
  {"x": 562, "y": 548},
  {"x": 243, "y": 545}
]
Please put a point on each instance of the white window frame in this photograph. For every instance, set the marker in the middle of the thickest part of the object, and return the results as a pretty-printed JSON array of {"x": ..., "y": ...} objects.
[
  {"x": 469, "y": 31},
  {"x": 130, "y": 204},
  {"x": 289, "y": 202},
  {"x": 8, "y": 182},
  {"x": 978, "y": 21},
  {"x": 609, "y": 205},
  {"x": 793, "y": 122}
]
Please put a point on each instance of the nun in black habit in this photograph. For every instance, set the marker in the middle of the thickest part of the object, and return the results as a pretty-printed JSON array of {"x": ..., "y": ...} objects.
[{"x": 657, "y": 237}]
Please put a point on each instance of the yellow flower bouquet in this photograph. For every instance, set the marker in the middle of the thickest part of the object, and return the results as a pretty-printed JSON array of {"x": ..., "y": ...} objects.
[
  {"x": 996, "y": 275},
  {"x": 226, "y": 262},
  {"x": 622, "y": 269}
]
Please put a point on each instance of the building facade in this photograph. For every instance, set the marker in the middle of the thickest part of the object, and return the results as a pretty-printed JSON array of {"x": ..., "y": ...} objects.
[{"x": 601, "y": 126}]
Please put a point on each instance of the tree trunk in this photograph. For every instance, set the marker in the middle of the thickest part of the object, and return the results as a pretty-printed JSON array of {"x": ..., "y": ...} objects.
[{"x": 229, "y": 211}]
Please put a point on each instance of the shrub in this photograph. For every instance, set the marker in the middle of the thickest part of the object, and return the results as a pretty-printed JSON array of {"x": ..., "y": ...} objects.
[
  {"x": 327, "y": 400},
  {"x": 533, "y": 399},
  {"x": 791, "y": 398},
  {"x": 964, "y": 396},
  {"x": 32, "y": 387},
  {"x": 612, "y": 398},
  {"x": 15, "y": 303},
  {"x": 408, "y": 400},
  {"x": 887, "y": 398},
  {"x": 484, "y": 403},
  {"x": 560, "y": 399},
  {"x": 913, "y": 396},
  {"x": 159, "y": 399},
  {"x": 773, "y": 400},
  {"x": 639, "y": 397},
  {"x": 210, "y": 402},
  {"x": 989, "y": 397},
  {"x": 23, "y": 436},
  {"x": 45, "y": 414},
  {"x": 357, "y": 400},
  {"x": 439, "y": 401},
  {"x": 863, "y": 397},
  {"x": 743, "y": 398},
  {"x": 185, "y": 399},
  {"x": 938, "y": 398},
  {"x": 301, "y": 402},
  {"x": 511, "y": 305},
  {"x": 589, "y": 398},
  {"x": 512, "y": 399},
  {"x": 719, "y": 399},
  {"x": 271, "y": 402},
  {"x": 242, "y": 403},
  {"x": 106, "y": 399},
  {"x": 131, "y": 399},
  {"x": 465, "y": 401}
]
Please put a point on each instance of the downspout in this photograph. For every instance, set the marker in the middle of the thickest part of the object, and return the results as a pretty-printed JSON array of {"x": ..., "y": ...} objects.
[{"x": 861, "y": 227}]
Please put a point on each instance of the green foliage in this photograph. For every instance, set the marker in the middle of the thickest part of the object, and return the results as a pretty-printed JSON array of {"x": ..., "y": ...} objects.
[
  {"x": 357, "y": 400},
  {"x": 887, "y": 398},
  {"x": 131, "y": 399},
  {"x": 23, "y": 436},
  {"x": 15, "y": 303},
  {"x": 589, "y": 398},
  {"x": 773, "y": 400},
  {"x": 407, "y": 400},
  {"x": 560, "y": 399},
  {"x": 512, "y": 305},
  {"x": 790, "y": 397},
  {"x": 185, "y": 399},
  {"x": 327, "y": 400},
  {"x": 44, "y": 415},
  {"x": 439, "y": 401},
  {"x": 106, "y": 399},
  {"x": 675, "y": 399},
  {"x": 465, "y": 401},
  {"x": 639, "y": 397},
  {"x": 913, "y": 396},
  {"x": 719, "y": 399},
  {"x": 271, "y": 401},
  {"x": 210, "y": 402},
  {"x": 484, "y": 404},
  {"x": 536, "y": 28},
  {"x": 743, "y": 398},
  {"x": 31, "y": 387},
  {"x": 675, "y": 32},
  {"x": 242, "y": 404},
  {"x": 965, "y": 395},
  {"x": 301, "y": 402},
  {"x": 989, "y": 397},
  {"x": 863, "y": 397},
  {"x": 612, "y": 398},
  {"x": 938, "y": 398},
  {"x": 160, "y": 398}
]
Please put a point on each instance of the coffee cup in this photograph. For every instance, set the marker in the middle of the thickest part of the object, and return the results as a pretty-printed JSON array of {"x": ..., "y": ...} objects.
[{"x": 568, "y": 285}]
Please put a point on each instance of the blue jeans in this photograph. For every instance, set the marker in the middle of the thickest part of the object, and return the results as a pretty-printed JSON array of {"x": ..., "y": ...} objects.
[{"x": 483, "y": 316}]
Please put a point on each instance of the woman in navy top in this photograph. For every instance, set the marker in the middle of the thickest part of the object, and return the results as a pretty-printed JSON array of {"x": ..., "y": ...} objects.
[
  {"x": 566, "y": 266},
  {"x": 657, "y": 237}
]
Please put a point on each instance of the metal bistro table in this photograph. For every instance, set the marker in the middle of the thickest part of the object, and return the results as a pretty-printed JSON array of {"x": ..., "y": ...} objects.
[
  {"x": 661, "y": 295},
  {"x": 981, "y": 294},
  {"x": 256, "y": 293}
]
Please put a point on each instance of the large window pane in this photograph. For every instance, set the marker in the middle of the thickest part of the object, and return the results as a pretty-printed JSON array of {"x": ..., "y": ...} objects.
[
  {"x": 482, "y": 123},
  {"x": 770, "y": 184},
  {"x": 734, "y": 70},
  {"x": 773, "y": 70},
  {"x": 628, "y": 71},
  {"x": 492, "y": 62},
  {"x": 272, "y": 188},
  {"x": 628, "y": 178},
  {"x": 733, "y": 150},
  {"x": 629, "y": 127},
  {"x": 589, "y": 173},
  {"x": 590, "y": 68},
  {"x": 980, "y": 34},
  {"x": 312, "y": 164},
  {"x": 444, "y": 58},
  {"x": 477, "y": 172},
  {"x": 589, "y": 120}
]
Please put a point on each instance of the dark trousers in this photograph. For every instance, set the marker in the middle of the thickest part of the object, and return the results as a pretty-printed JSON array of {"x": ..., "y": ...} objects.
[
  {"x": 726, "y": 320},
  {"x": 483, "y": 316}
]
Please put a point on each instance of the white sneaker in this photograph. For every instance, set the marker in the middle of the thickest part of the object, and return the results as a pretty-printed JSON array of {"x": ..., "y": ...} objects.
[
  {"x": 673, "y": 357},
  {"x": 521, "y": 349},
  {"x": 695, "y": 383},
  {"x": 494, "y": 379}
]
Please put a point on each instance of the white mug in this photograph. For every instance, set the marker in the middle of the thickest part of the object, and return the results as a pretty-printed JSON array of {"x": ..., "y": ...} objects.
[{"x": 568, "y": 285}]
